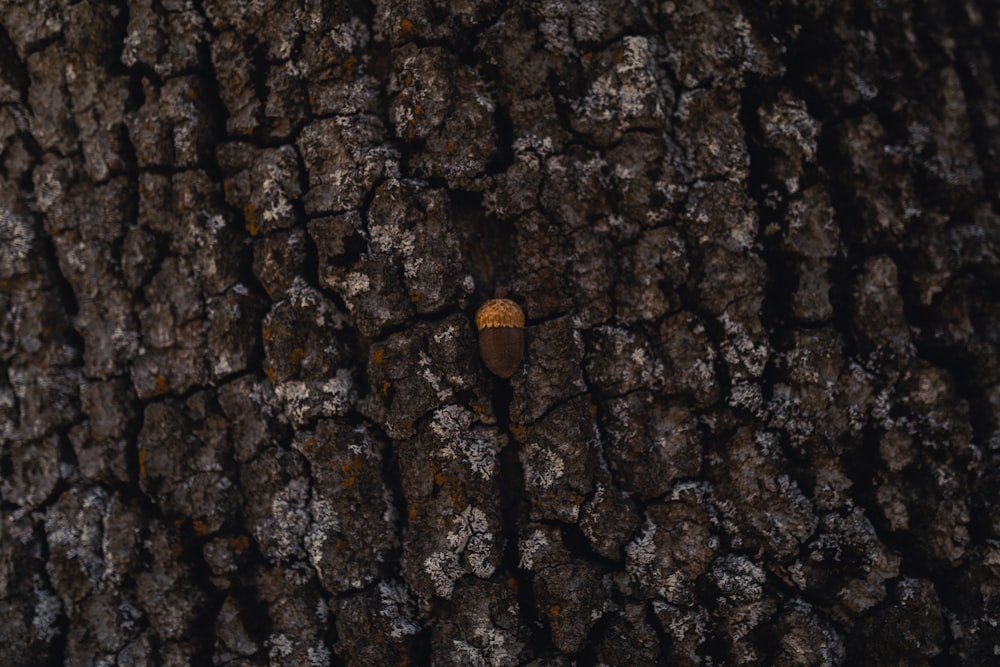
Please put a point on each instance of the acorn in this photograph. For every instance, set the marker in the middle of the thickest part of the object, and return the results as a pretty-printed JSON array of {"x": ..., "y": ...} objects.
[{"x": 500, "y": 323}]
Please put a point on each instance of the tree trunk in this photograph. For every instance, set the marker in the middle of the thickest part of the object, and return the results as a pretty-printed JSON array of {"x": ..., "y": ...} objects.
[{"x": 243, "y": 415}]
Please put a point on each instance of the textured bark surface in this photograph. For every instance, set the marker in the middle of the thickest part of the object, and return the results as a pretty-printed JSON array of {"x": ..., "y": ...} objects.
[{"x": 243, "y": 419}]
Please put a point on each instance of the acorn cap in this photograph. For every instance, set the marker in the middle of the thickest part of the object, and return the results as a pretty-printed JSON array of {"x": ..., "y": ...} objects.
[{"x": 499, "y": 313}]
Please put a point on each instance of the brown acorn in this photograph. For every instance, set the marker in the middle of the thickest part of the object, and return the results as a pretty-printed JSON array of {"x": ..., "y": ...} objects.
[{"x": 500, "y": 323}]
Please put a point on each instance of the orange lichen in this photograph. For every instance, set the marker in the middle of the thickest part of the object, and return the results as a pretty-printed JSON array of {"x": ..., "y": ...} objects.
[
  {"x": 239, "y": 543},
  {"x": 457, "y": 495},
  {"x": 249, "y": 213}
]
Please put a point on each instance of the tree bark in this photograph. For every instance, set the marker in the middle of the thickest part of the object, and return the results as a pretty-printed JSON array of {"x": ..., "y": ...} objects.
[{"x": 243, "y": 417}]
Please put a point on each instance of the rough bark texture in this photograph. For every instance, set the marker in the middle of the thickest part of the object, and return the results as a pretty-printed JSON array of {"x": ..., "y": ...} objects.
[{"x": 243, "y": 419}]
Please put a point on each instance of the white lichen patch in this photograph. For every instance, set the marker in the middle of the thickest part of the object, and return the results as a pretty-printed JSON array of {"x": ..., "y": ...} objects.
[
  {"x": 650, "y": 368},
  {"x": 49, "y": 190},
  {"x": 447, "y": 337},
  {"x": 473, "y": 538},
  {"x": 742, "y": 230},
  {"x": 472, "y": 541},
  {"x": 389, "y": 237},
  {"x": 336, "y": 393},
  {"x": 488, "y": 648},
  {"x": 683, "y": 622},
  {"x": 529, "y": 547},
  {"x": 642, "y": 562},
  {"x": 318, "y": 655},
  {"x": 741, "y": 590},
  {"x": 636, "y": 68},
  {"x": 397, "y": 605},
  {"x": 81, "y": 536},
  {"x": 289, "y": 519},
  {"x": 362, "y": 444},
  {"x": 303, "y": 295},
  {"x": 349, "y": 37},
  {"x": 444, "y": 569},
  {"x": 224, "y": 364},
  {"x": 279, "y": 208},
  {"x": 452, "y": 424},
  {"x": 325, "y": 522},
  {"x": 629, "y": 90},
  {"x": 48, "y": 610},
  {"x": 640, "y": 552},
  {"x": 297, "y": 399},
  {"x": 553, "y": 24},
  {"x": 16, "y": 237},
  {"x": 426, "y": 364},
  {"x": 542, "y": 467},
  {"x": 740, "y": 351},
  {"x": 449, "y": 333},
  {"x": 648, "y": 566},
  {"x": 411, "y": 266},
  {"x": 789, "y": 120},
  {"x": 261, "y": 394},
  {"x": 280, "y": 646},
  {"x": 627, "y": 361},
  {"x": 747, "y": 396},
  {"x": 354, "y": 284},
  {"x": 303, "y": 401}
]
